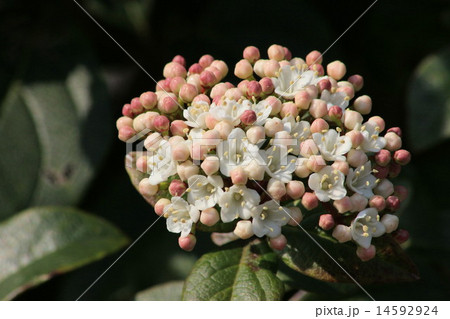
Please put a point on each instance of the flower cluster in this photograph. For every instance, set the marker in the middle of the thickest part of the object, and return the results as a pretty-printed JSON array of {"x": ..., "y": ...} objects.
[{"x": 289, "y": 137}]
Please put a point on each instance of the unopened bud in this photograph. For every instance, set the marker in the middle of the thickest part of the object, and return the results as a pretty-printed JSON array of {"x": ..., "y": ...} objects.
[
  {"x": 239, "y": 176},
  {"x": 356, "y": 158},
  {"x": 366, "y": 254},
  {"x": 272, "y": 126},
  {"x": 356, "y": 137},
  {"x": 352, "y": 118},
  {"x": 177, "y": 188},
  {"x": 314, "y": 57},
  {"x": 318, "y": 68},
  {"x": 221, "y": 66},
  {"x": 336, "y": 70},
  {"x": 335, "y": 113},
  {"x": 310, "y": 201},
  {"x": 357, "y": 81},
  {"x": 233, "y": 94},
  {"x": 188, "y": 92},
  {"x": 278, "y": 243},
  {"x": 206, "y": 60},
  {"x": 275, "y": 104},
  {"x": 255, "y": 171},
  {"x": 289, "y": 108},
  {"x": 254, "y": 89},
  {"x": 379, "y": 121},
  {"x": 343, "y": 205},
  {"x": 243, "y": 69},
  {"x": 383, "y": 157},
  {"x": 187, "y": 243},
  {"x": 209, "y": 216},
  {"x": 401, "y": 236},
  {"x": 342, "y": 233},
  {"x": 161, "y": 123},
  {"x": 384, "y": 188},
  {"x": 318, "y": 108},
  {"x": 148, "y": 100},
  {"x": 377, "y": 202},
  {"x": 244, "y": 229},
  {"x": 195, "y": 68},
  {"x": 341, "y": 166},
  {"x": 224, "y": 128},
  {"x": 390, "y": 222},
  {"x": 180, "y": 152},
  {"x": 402, "y": 157},
  {"x": 319, "y": 125},
  {"x": 174, "y": 69},
  {"x": 359, "y": 202},
  {"x": 124, "y": 121},
  {"x": 255, "y": 134},
  {"x": 266, "y": 85},
  {"x": 303, "y": 99},
  {"x": 186, "y": 170},
  {"x": 326, "y": 221},
  {"x": 324, "y": 84},
  {"x": 308, "y": 148},
  {"x": 295, "y": 189},
  {"x": 271, "y": 67},
  {"x": 396, "y": 130},
  {"x": 401, "y": 192},
  {"x": 276, "y": 52},
  {"x": 363, "y": 104},
  {"x": 276, "y": 188},
  {"x": 169, "y": 104},
  {"x": 146, "y": 189},
  {"x": 295, "y": 217},
  {"x": 315, "y": 163},
  {"x": 392, "y": 203},
  {"x": 207, "y": 79},
  {"x": 160, "y": 204}
]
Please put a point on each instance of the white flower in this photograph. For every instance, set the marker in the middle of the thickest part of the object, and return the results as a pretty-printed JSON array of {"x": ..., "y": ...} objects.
[
  {"x": 262, "y": 110},
  {"x": 236, "y": 151},
  {"x": 268, "y": 219},
  {"x": 332, "y": 146},
  {"x": 328, "y": 184},
  {"x": 204, "y": 192},
  {"x": 298, "y": 130},
  {"x": 161, "y": 164},
  {"x": 339, "y": 98},
  {"x": 365, "y": 226},
  {"x": 372, "y": 142},
  {"x": 361, "y": 180},
  {"x": 292, "y": 79},
  {"x": 230, "y": 110},
  {"x": 180, "y": 216},
  {"x": 196, "y": 113},
  {"x": 237, "y": 201},
  {"x": 279, "y": 164}
]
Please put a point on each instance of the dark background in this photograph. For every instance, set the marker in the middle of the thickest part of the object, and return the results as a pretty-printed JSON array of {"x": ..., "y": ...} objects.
[{"x": 385, "y": 46}]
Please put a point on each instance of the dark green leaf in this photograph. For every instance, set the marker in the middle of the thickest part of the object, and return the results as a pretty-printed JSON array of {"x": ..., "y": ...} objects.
[
  {"x": 170, "y": 291},
  {"x": 235, "y": 273},
  {"x": 302, "y": 254},
  {"x": 429, "y": 102},
  {"x": 42, "y": 242}
]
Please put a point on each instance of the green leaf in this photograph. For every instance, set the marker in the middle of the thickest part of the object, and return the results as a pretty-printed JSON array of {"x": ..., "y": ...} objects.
[
  {"x": 169, "y": 291},
  {"x": 54, "y": 130},
  {"x": 235, "y": 273},
  {"x": 302, "y": 254},
  {"x": 42, "y": 242},
  {"x": 429, "y": 102}
]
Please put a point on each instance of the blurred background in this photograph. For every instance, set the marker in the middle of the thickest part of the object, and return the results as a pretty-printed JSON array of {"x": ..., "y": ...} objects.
[{"x": 63, "y": 82}]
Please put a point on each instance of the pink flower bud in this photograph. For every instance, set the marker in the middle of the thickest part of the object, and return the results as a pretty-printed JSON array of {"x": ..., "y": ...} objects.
[
  {"x": 341, "y": 166},
  {"x": 402, "y": 157},
  {"x": 224, "y": 128},
  {"x": 272, "y": 126},
  {"x": 186, "y": 170},
  {"x": 359, "y": 202},
  {"x": 210, "y": 165},
  {"x": 254, "y": 89},
  {"x": 347, "y": 90},
  {"x": 206, "y": 60},
  {"x": 379, "y": 122},
  {"x": 295, "y": 217},
  {"x": 126, "y": 110},
  {"x": 256, "y": 134},
  {"x": 210, "y": 121},
  {"x": 301, "y": 170},
  {"x": 161, "y": 123},
  {"x": 336, "y": 70},
  {"x": 363, "y": 104},
  {"x": 394, "y": 170},
  {"x": 289, "y": 108},
  {"x": 239, "y": 176},
  {"x": 401, "y": 192},
  {"x": 177, "y": 188},
  {"x": 343, "y": 205},
  {"x": 308, "y": 148},
  {"x": 342, "y": 233},
  {"x": 174, "y": 69},
  {"x": 136, "y": 106},
  {"x": 318, "y": 68},
  {"x": 401, "y": 236},
  {"x": 390, "y": 222},
  {"x": 313, "y": 91},
  {"x": 383, "y": 158},
  {"x": 356, "y": 158},
  {"x": 175, "y": 140},
  {"x": 278, "y": 243},
  {"x": 216, "y": 73},
  {"x": 201, "y": 98},
  {"x": 276, "y": 188},
  {"x": 319, "y": 125},
  {"x": 335, "y": 112},
  {"x": 377, "y": 202},
  {"x": 315, "y": 163},
  {"x": 243, "y": 69},
  {"x": 179, "y": 59},
  {"x": 393, "y": 141},
  {"x": 287, "y": 54},
  {"x": 266, "y": 85},
  {"x": 303, "y": 99},
  {"x": 194, "y": 79},
  {"x": 207, "y": 79},
  {"x": 258, "y": 68},
  {"x": 275, "y": 104},
  {"x": 163, "y": 85},
  {"x": 324, "y": 84},
  {"x": 248, "y": 117},
  {"x": 314, "y": 57},
  {"x": 195, "y": 68},
  {"x": 187, "y": 243},
  {"x": 176, "y": 83},
  {"x": 160, "y": 204},
  {"x": 271, "y": 68},
  {"x": 148, "y": 100},
  {"x": 357, "y": 81},
  {"x": 318, "y": 108},
  {"x": 198, "y": 151},
  {"x": 310, "y": 200},
  {"x": 146, "y": 189},
  {"x": 275, "y": 52},
  {"x": 221, "y": 66},
  {"x": 295, "y": 189},
  {"x": 396, "y": 130},
  {"x": 384, "y": 188},
  {"x": 356, "y": 137},
  {"x": 380, "y": 171},
  {"x": 123, "y": 121},
  {"x": 141, "y": 164},
  {"x": 352, "y": 118},
  {"x": 243, "y": 86},
  {"x": 188, "y": 92},
  {"x": 218, "y": 90},
  {"x": 366, "y": 254},
  {"x": 179, "y": 128},
  {"x": 144, "y": 121},
  {"x": 152, "y": 141},
  {"x": 180, "y": 152},
  {"x": 233, "y": 94},
  {"x": 326, "y": 221},
  {"x": 244, "y": 229},
  {"x": 251, "y": 54},
  {"x": 255, "y": 170},
  {"x": 392, "y": 203},
  {"x": 169, "y": 104},
  {"x": 209, "y": 216}
]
